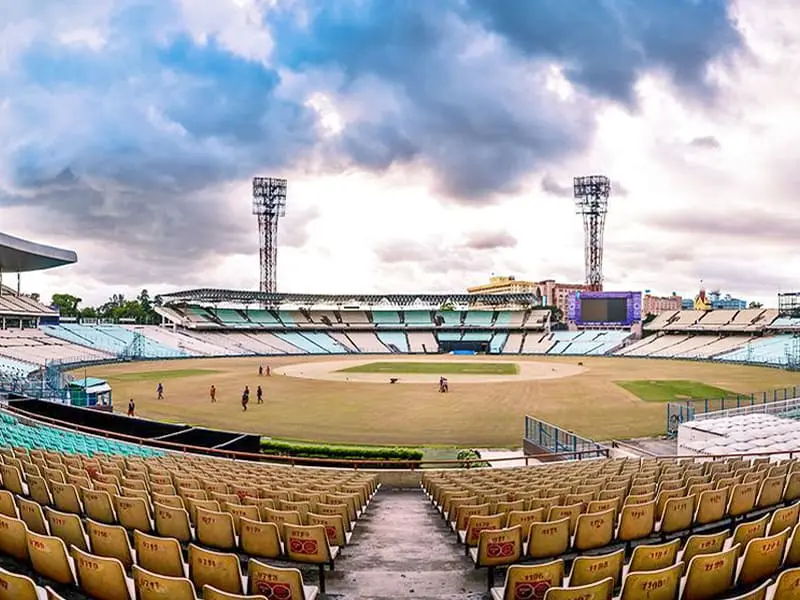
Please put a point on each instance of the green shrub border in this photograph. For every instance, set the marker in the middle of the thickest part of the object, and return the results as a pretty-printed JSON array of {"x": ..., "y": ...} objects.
[{"x": 302, "y": 450}]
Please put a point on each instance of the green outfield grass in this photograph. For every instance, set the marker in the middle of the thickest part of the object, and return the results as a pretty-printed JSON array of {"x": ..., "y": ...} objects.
[
  {"x": 161, "y": 375},
  {"x": 673, "y": 390},
  {"x": 448, "y": 368}
]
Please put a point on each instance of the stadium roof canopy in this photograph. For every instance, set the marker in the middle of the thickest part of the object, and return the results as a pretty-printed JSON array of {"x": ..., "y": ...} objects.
[
  {"x": 19, "y": 256},
  {"x": 215, "y": 296}
]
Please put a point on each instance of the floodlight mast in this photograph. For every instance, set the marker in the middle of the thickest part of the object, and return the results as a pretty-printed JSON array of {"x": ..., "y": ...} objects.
[
  {"x": 591, "y": 202},
  {"x": 269, "y": 204}
]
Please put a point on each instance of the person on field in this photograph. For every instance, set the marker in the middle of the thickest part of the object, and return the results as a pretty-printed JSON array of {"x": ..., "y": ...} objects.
[
  {"x": 131, "y": 408},
  {"x": 160, "y": 390},
  {"x": 268, "y": 371},
  {"x": 259, "y": 395},
  {"x": 213, "y": 393},
  {"x": 260, "y": 370},
  {"x": 245, "y": 397}
]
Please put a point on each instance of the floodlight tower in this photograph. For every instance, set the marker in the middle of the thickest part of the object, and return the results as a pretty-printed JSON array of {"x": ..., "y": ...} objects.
[
  {"x": 591, "y": 202},
  {"x": 269, "y": 204}
]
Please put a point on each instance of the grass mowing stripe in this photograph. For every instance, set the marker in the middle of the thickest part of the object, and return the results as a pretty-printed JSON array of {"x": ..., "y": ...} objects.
[
  {"x": 161, "y": 375},
  {"x": 448, "y": 368},
  {"x": 673, "y": 390}
]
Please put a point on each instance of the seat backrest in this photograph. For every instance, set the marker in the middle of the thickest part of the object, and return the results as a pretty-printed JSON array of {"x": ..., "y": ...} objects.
[
  {"x": 784, "y": 517},
  {"x": 711, "y": 575},
  {"x": 653, "y": 557},
  {"x": 98, "y": 506},
  {"x": 172, "y": 522},
  {"x": 215, "y": 529},
  {"x": 787, "y": 586},
  {"x": 762, "y": 558},
  {"x": 274, "y": 582},
  {"x": 532, "y": 581},
  {"x": 32, "y": 514},
  {"x": 334, "y": 527},
  {"x": 16, "y": 587},
  {"x": 601, "y": 590},
  {"x": 12, "y": 478},
  {"x": 637, "y": 521},
  {"x": 100, "y": 577},
  {"x": 281, "y": 518},
  {"x": 743, "y": 498},
  {"x": 594, "y": 530},
  {"x": 237, "y": 511},
  {"x": 217, "y": 569},
  {"x": 160, "y": 555},
  {"x": 65, "y": 497},
  {"x": 591, "y": 569},
  {"x": 571, "y": 512},
  {"x": 771, "y": 491},
  {"x": 133, "y": 513},
  {"x": 478, "y": 523},
  {"x": 68, "y": 527},
  {"x": 499, "y": 547},
  {"x": 463, "y": 512},
  {"x": 660, "y": 584},
  {"x": 48, "y": 555},
  {"x": 678, "y": 514},
  {"x": 711, "y": 506},
  {"x": 13, "y": 538},
  {"x": 152, "y": 586},
  {"x": 548, "y": 539},
  {"x": 307, "y": 544},
  {"x": 703, "y": 544},
  {"x": 750, "y": 530},
  {"x": 212, "y": 593},
  {"x": 109, "y": 540}
]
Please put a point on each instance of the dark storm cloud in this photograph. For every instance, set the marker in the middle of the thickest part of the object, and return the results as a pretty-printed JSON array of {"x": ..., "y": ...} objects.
[
  {"x": 490, "y": 240},
  {"x": 606, "y": 46},
  {"x": 133, "y": 145},
  {"x": 708, "y": 142},
  {"x": 468, "y": 115}
]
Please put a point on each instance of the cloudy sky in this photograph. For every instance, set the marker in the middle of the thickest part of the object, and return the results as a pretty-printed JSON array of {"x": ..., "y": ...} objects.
[{"x": 427, "y": 144}]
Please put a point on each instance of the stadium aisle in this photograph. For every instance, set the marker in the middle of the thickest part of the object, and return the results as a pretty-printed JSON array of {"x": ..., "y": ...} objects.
[{"x": 403, "y": 549}]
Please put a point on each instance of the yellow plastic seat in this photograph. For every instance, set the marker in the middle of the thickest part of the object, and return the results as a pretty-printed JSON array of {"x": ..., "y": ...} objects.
[
  {"x": 32, "y": 514},
  {"x": 659, "y": 584},
  {"x": 49, "y": 558},
  {"x": 762, "y": 558},
  {"x": 702, "y": 544},
  {"x": 159, "y": 555},
  {"x": 13, "y": 538},
  {"x": 594, "y": 530},
  {"x": 215, "y": 529},
  {"x": 636, "y": 521},
  {"x": 102, "y": 578},
  {"x": 309, "y": 544},
  {"x": 653, "y": 557},
  {"x": 601, "y": 590},
  {"x": 261, "y": 540},
  {"x": 152, "y": 586},
  {"x": 68, "y": 527},
  {"x": 591, "y": 569},
  {"x": 18, "y": 587},
  {"x": 110, "y": 541},
  {"x": 748, "y": 530},
  {"x": 98, "y": 506},
  {"x": 548, "y": 539},
  {"x": 217, "y": 569},
  {"x": 530, "y": 581},
  {"x": 173, "y": 522},
  {"x": 784, "y": 517},
  {"x": 710, "y": 575},
  {"x": 476, "y": 524},
  {"x": 133, "y": 513},
  {"x": 334, "y": 527},
  {"x": 65, "y": 497},
  {"x": 276, "y": 582}
]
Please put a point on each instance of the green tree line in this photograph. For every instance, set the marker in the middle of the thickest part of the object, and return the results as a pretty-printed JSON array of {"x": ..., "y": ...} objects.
[{"x": 141, "y": 308}]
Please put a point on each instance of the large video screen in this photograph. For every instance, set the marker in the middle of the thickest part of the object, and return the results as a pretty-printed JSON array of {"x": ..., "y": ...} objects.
[{"x": 604, "y": 310}]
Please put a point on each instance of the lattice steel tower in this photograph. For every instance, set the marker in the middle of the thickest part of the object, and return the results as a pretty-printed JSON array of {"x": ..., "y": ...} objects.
[
  {"x": 269, "y": 204},
  {"x": 591, "y": 202}
]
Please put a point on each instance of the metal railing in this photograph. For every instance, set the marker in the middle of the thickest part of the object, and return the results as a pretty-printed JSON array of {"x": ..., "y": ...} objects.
[
  {"x": 781, "y": 407},
  {"x": 557, "y": 441}
]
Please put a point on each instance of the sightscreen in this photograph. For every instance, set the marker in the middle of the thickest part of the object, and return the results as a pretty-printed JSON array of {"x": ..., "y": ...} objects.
[{"x": 604, "y": 310}]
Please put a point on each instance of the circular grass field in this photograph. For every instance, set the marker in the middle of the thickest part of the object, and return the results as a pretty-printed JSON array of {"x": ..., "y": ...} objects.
[{"x": 348, "y": 399}]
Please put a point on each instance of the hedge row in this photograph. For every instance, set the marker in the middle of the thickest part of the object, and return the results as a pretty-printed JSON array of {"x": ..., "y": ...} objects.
[{"x": 340, "y": 452}]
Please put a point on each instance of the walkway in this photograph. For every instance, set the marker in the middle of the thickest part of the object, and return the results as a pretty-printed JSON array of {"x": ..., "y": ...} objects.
[{"x": 403, "y": 549}]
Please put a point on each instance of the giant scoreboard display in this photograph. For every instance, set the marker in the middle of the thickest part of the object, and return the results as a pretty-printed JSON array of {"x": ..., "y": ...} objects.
[{"x": 605, "y": 308}]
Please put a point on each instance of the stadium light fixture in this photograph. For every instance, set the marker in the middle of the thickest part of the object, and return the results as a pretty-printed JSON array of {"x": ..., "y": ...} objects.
[
  {"x": 591, "y": 202},
  {"x": 269, "y": 204}
]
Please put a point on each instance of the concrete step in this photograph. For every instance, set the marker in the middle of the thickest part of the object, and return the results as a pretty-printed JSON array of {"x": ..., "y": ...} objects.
[{"x": 402, "y": 549}]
